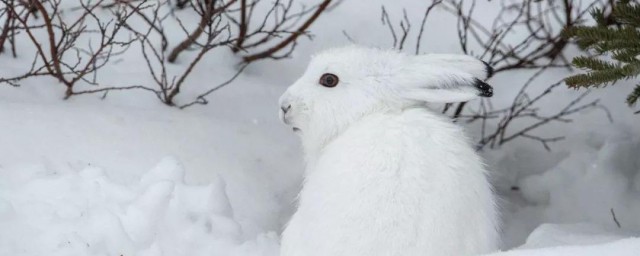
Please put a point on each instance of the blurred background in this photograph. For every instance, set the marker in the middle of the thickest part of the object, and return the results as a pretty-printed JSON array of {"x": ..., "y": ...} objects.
[{"x": 150, "y": 127}]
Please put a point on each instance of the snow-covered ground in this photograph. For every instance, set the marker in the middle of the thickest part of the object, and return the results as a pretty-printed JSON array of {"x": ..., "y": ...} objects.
[{"x": 129, "y": 176}]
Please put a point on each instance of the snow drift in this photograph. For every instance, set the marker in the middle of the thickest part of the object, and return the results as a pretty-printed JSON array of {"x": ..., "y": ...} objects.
[{"x": 86, "y": 213}]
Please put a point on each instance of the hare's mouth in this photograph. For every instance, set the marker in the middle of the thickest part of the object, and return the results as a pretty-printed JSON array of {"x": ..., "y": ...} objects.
[{"x": 296, "y": 129}]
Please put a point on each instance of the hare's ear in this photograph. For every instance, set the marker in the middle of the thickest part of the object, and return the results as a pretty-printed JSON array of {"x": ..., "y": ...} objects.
[{"x": 445, "y": 78}]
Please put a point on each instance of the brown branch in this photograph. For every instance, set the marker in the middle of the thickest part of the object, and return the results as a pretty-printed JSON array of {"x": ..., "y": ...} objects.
[
  {"x": 301, "y": 30},
  {"x": 53, "y": 50},
  {"x": 424, "y": 21},
  {"x": 243, "y": 26},
  {"x": 176, "y": 88},
  {"x": 613, "y": 216},
  {"x": 206, "y": 16},
  {"x": 459, "y": 109},
  {"x": 7, "y": 25},
  {"x": 202, "y": 100}
]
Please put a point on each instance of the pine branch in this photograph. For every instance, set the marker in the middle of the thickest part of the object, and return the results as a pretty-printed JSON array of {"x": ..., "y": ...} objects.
[
  {"x": 598, "y": 15},
  {"x": 621, "y": 42},
  {"x": 593, "y": 79},
  {"x": 632, "y": 99},
  {"x": 628, "y": 55},
  {"x": 628, "y": 14},
  {"x": 615, "y": 45},
  {"x": 587, "y": 37},
  {"x": 631, "y": 70},
  {"x": 592, "y": 63}
]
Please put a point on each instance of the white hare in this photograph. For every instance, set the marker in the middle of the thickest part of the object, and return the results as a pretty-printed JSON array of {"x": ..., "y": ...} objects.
[{"x": 385, "y": 175}]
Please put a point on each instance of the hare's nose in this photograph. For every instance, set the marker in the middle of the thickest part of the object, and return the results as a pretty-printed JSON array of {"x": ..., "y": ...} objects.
[{"x": 285, "y": 108}]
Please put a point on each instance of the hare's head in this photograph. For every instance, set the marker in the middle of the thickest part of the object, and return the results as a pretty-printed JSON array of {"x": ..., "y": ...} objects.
[{"x": 342, "y": 85}]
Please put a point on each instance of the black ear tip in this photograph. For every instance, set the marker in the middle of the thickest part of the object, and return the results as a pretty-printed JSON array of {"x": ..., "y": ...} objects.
[
  {"x": 488, "y": 68},
  {"x": 485, "y": 90}
]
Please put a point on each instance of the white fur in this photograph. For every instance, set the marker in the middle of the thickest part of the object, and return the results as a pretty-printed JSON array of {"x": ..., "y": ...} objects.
[{"x": 386, "y": 176}]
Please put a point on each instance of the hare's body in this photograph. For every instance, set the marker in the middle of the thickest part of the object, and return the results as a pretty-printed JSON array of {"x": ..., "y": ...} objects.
[
  {"x": 392, "y": 190},
  {"x": 385, "y": 176}
]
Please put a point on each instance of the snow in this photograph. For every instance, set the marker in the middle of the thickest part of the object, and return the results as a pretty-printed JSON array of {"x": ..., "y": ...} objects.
[
  {"x": 86, "y": 213},
  {"x": 619, "y": 248},
  {"x": 591, "y": 182},
  {"x": 129, "y": 176},
  {"x": 575, "y": 239}
]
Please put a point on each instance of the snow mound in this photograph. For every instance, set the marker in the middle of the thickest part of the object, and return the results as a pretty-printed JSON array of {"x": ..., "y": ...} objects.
[
  {"x": 552, "y": 235},
  {"x": 575, "y": 239},
  {"x": 590, "y": 182},
  {"x": 86, "y": 213},
  {"x": 595, "y": 180},
  {"x": 625, "y": 247}
]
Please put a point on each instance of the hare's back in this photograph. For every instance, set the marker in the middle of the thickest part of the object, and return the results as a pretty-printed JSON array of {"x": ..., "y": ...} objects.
[{"x": 406, "y": 182}]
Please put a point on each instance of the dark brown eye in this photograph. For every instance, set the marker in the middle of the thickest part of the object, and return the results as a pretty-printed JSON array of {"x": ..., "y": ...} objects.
[{"x": 329, "y": 80}]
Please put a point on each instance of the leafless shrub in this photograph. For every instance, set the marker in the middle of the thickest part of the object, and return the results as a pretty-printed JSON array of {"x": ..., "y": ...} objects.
[
  {"x": 62, "y": 55},
  {"x": 274, "y": 36},
  {"x": 503, "y": 46},
  {"x": 281, "y": 36},
  {"x": 222, "y": 24},
  {"x": 210, "y": 20},
  {"x": 216, "y": 29},
  {"x": 524, "y": 116},
  {"x": 216, "y": 33}
]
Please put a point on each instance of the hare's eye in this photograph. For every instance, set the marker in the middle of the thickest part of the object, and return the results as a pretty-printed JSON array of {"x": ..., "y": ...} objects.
[{"x": 329, "y": 80}]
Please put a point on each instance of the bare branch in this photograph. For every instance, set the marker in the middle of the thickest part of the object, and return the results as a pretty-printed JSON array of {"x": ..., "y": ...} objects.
[{"x": 291, "y": 38}]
